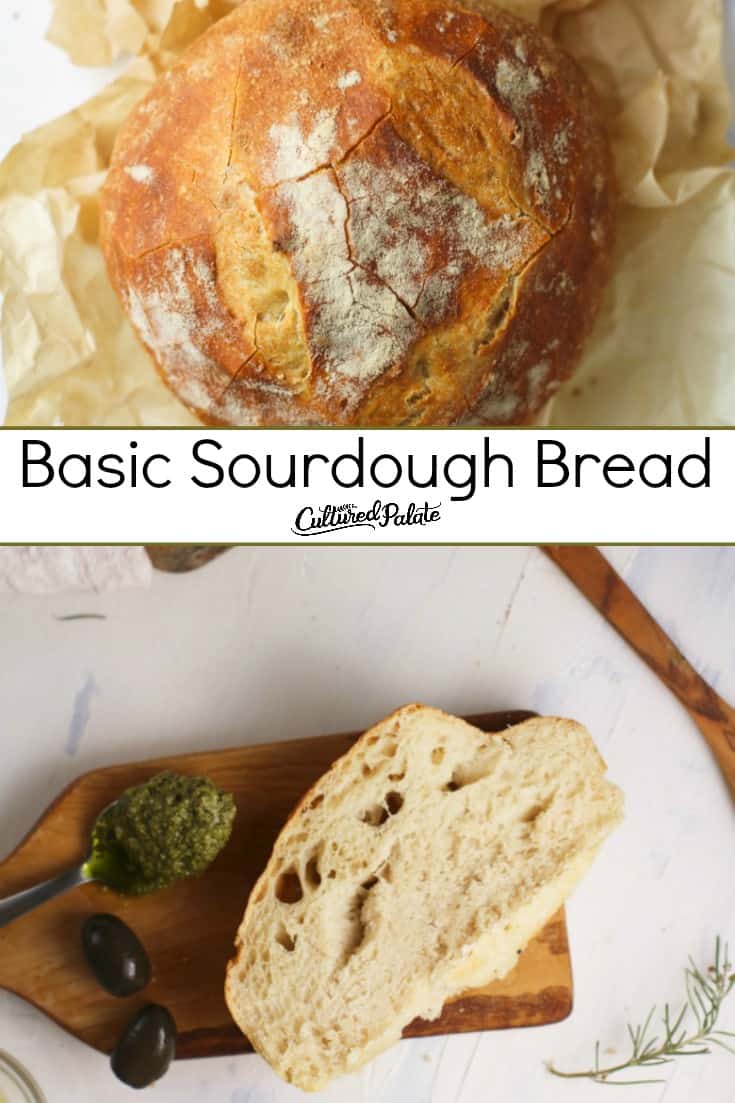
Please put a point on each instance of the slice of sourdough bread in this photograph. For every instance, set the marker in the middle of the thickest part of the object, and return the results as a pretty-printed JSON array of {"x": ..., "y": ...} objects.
[{"x": 422, "y": 862}]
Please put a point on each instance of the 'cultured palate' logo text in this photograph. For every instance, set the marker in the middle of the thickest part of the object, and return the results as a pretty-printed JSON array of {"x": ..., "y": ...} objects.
[{"x": 319, "y": 520}]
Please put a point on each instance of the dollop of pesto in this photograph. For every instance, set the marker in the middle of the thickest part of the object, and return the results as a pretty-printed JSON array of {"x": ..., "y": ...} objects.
[{"x": 171, "y": 827}]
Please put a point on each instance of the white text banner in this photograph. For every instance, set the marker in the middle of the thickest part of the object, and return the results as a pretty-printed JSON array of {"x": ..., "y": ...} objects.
[{"x": 303, "y": 486}]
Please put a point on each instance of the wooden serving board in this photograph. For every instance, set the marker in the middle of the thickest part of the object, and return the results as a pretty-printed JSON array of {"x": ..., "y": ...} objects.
[{"x": 189, "y": 929}]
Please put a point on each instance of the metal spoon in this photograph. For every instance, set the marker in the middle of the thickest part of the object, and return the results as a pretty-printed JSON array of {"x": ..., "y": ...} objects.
[{"x": 12, "y": 907}]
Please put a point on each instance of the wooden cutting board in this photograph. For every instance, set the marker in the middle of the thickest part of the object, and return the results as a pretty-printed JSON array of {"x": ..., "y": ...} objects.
[{"x": 189, "y": 929}]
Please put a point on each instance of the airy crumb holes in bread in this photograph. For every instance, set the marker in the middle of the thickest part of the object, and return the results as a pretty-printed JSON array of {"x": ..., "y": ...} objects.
[{"x": 418, "y": 866}]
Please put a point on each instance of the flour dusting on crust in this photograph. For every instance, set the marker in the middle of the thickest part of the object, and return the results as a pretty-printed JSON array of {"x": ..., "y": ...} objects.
[
  {"x": 141, "y": 174},
  {"x": 516, "y": 83},
  {"x": 165, "y": 314},
  {"x": 349, "y": 80},
  {"x": 421, "y": 235},
  {"x": 380, "y": 245},
  {"x": 294, "y": 153},
  {"x": 357, "y": 326}
]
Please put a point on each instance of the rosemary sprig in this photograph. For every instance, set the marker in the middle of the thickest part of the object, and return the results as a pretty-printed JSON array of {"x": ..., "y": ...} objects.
[
  {"x": 706, "y": 992},
  {"x": 82, "y": 616}
]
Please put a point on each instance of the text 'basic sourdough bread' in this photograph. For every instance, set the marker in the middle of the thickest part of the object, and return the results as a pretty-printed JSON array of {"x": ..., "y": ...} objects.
[
  {"x": 357, "y": 213},
  {"x": 420, "y": 865}
]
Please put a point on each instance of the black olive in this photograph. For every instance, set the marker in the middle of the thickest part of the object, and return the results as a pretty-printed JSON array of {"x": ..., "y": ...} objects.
[
  {"x": 116, "y": 955},
  {"x": 146, "y": 1047}
]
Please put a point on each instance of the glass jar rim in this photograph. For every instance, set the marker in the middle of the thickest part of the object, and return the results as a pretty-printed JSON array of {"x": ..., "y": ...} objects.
[{"x": 21, "y": 1077}]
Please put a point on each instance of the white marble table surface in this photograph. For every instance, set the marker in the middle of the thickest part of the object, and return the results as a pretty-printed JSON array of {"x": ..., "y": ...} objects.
[{"x": 270, "y": 644}]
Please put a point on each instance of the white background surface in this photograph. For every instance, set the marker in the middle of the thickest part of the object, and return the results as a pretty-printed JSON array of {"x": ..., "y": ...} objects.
[
  {"x": 279, "y": 643},
  {"x": 38, "y": 82}
]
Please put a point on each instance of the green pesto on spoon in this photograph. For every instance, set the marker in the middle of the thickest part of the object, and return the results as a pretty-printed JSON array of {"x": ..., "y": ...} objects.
[{"x": 171, "y": 827}]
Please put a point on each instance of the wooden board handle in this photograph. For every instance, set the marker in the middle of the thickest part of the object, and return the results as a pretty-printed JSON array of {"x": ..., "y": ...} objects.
[
  {"x": 602, "y": 585},
  {"x": 181, "y": 558}
]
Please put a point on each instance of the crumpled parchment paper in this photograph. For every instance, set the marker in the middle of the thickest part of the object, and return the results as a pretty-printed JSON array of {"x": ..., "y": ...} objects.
[
  {"x": 664, "y": 349},
  {"x": 46, "y": 570}
]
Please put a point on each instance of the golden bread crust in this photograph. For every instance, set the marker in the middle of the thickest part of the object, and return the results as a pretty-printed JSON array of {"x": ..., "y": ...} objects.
[{"x": 345, "y": 212}]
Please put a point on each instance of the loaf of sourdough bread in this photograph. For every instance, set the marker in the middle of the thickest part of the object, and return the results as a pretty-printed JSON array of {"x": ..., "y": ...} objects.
[
  {"x": 421, "y": 863},
  {"x": 343, "y": 212}
]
